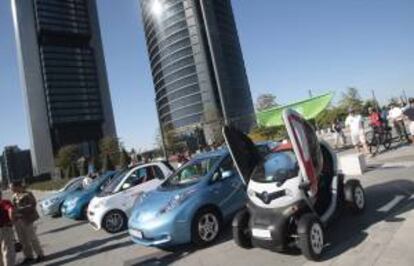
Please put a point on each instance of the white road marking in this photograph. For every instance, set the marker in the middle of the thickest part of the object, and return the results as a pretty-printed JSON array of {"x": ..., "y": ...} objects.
[{"x": 390, "y": 205}]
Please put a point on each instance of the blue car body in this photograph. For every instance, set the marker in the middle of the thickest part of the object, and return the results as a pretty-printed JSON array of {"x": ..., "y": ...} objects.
[
  {"x": 51, "y": 205},
  {"x": 150, "y": 226},
  {"x": 75, "y": 205}
]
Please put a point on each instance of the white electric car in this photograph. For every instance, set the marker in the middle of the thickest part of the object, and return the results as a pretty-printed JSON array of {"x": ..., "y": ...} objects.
[
  {"x": 111, "y": 209},
  {"x": 293, "y": 192}
]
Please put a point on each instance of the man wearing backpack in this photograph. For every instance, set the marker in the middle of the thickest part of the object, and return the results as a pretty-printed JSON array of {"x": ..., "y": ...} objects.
[{"x": 25, "y": 215}]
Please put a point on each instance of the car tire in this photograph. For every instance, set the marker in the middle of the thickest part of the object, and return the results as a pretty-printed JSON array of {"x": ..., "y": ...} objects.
[
  {"x": 355, "y": 196},
  {"x": 114, "y": 222},
  {"x": 84, "y": 213},
  {"x": 206, "y": 226},
  {"x": 310, "y": 236},
  {"x": 241, "y": 231}
]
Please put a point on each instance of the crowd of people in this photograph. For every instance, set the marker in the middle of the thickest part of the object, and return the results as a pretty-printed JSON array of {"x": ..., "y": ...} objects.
[
  {"x": 379, "y": 120},
  {"x": 17, "y": 217}
]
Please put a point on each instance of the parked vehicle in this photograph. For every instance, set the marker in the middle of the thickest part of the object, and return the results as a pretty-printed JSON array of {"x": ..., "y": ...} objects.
[
  {"x": 52, "y": 204},
  {"x": 293, "y": 192},
  {"x": 76, "y": 204},
  {"x": 111, "y": 208},
  {"x": 191, "y": 205}
]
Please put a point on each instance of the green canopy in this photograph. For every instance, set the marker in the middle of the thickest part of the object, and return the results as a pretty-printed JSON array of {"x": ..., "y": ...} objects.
[{"x": 309, "y": 108}]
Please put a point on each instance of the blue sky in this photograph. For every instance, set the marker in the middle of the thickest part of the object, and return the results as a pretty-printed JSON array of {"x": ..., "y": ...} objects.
[{"x": 289, "y": 47}]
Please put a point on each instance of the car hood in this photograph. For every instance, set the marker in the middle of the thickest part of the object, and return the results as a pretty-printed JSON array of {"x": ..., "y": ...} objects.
[
  {"x": 58, "y": 195},
  {"x": 156, "y": 200},
  {"x": 80, "y": 195}
]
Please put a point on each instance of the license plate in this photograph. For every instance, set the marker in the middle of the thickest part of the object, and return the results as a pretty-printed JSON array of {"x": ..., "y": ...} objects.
[
  {"x": 261, "y": 233},
  {"x": 136, "y": 233}
]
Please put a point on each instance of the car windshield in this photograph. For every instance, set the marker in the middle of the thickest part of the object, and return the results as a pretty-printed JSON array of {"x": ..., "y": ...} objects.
[
  {"x": 72, "y": 185},
  {"x": 115, "y": 182},
  {"x": 191, "y": 172},
  {"x": 278, "y": 167}
]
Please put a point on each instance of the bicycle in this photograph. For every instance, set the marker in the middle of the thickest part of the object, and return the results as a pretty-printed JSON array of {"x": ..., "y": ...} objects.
[{"x": 378, "y": 137}]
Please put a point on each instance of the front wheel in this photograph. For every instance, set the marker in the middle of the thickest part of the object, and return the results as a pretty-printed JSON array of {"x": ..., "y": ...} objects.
[
  {"x": 114, "y": 222},
  {"x": 311, "y": 237},
  {"x": 355, "y": 196},
  {"x": 206, "y": 226},
  {"x": 241, "y": 231},
  {"x": 387, "y": 140}
]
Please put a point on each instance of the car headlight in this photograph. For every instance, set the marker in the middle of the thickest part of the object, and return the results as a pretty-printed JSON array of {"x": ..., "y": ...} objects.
[
  {"x": 177, "y": 200},
  {"x": 51, "y": 201},
  {"x": 71, "y": 203}
]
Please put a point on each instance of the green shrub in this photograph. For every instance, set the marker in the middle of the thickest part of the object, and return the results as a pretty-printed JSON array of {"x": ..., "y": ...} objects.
[{"x": 48, "y": 185}]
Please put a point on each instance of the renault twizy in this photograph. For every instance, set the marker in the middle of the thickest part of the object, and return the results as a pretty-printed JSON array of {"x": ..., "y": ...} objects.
[{"x": 293, "y": 192}]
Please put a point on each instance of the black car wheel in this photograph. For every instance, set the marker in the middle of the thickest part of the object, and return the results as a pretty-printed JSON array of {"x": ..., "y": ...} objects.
[
  {"x": 114, "y": 222},
  {"x": 355, "y": 196},
  {"x": 311, "y": 236},
  {"x": 241, "y": 231},
  {"x": 206, "y": 226}
]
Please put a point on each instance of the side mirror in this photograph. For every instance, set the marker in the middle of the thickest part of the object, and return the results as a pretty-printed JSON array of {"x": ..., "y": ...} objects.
[
  {"x": 227, "y": 174},
  {"x": 126, "y": 186}
]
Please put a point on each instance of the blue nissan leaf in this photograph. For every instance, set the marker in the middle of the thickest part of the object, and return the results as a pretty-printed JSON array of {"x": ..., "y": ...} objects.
[
  {"x": 191, "y": 205},
  {"x": 76, "y": 204}
]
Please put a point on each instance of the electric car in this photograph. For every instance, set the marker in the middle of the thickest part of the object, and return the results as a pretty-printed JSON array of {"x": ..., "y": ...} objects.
[
  {"x": 293, "y": 192},
  {"x": 191, "y": 205},
  {"x": 76, "y": 204},
  {"x": 52, "y": 204},
  {"x": 111, "y": 208}
]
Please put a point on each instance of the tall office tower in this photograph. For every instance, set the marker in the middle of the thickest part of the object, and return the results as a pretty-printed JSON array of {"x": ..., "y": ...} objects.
[
  {"x": 197, "y": 66},
  {"x": 63, "y": 75}
]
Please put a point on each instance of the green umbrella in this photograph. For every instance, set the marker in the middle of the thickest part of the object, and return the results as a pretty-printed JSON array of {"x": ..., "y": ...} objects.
[{"x": 309, "y": 108}]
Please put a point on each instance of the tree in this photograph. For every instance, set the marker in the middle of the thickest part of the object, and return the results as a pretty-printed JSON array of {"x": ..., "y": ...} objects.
[
  {"x": 265, "y": 101},
  {"x": 110, "y": 149},
  {"x": 72, "y": 170},
  {"x": 351, "y": 99},
  {"x": 67, "y": 156},
  {"x": 328, "y": 116},
  {"x": 267, "y": 133},
  {"x": 125, "y": 159},
  {"x": 107, "y": 165},
  {"x": 172, "y": 142}
]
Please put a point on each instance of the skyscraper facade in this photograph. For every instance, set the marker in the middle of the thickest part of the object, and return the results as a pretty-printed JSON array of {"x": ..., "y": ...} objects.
[
  {"x": 63, "y": 75},
  {"x": 197, "y": 66},
  {"x": 15, "y": 165}
]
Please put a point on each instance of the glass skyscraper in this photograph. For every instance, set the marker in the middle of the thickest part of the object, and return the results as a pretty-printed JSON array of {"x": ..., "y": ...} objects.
[
  {"x": 197, "y": 66},
  {"x": 63, "y": 75}
]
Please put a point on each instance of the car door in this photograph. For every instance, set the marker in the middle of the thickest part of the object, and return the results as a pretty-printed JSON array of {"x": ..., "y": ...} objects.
[
  {"x": 244, "y": 153},
  {"x": 130, "y": 187},
  {"x": 154, "y": 178},
  {"x": 306, "y": 146},
  {"x": 228, "y": 191}
]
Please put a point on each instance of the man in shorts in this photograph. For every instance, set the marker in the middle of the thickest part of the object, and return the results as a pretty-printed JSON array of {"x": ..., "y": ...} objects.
[
  {"x": 355, "y": 124},
  {"x": 409, "y": 113}
]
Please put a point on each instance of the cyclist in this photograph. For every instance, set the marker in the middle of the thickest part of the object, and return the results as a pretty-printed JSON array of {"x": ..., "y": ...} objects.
[{"x": 375, "y": 120}]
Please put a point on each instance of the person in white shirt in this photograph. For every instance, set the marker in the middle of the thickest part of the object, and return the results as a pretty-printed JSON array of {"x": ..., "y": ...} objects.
[
  {"x": 355, "y": 124},
  {"x": 396, "y": 116}
]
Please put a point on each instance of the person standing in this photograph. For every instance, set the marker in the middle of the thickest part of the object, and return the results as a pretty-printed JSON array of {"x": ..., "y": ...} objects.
[
  {"x": 409, "y": 113},
  {"x": 397, "y": 118},
  {"x": 25, "y": 214},
  {"x": 7, "y": 251},
  {"x": 355, "y": 124},
  {"x": 337, "y": 129}
]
